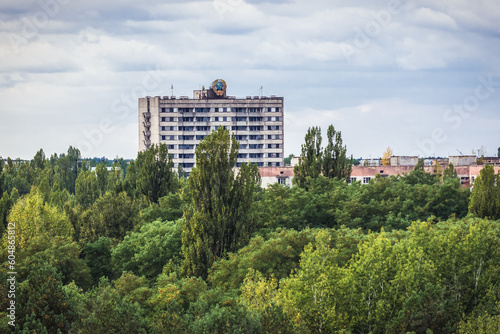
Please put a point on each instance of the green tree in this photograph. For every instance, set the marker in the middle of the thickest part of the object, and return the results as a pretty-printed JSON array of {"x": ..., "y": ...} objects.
[
  {"x": 32, "y": 218},
  {"x": 98, "y": 258},
  {"x": 147, "y": 251},
  {"x": 485, "y": 198},
  {"x": 38, "y": 161},
  {"x": 335, "y": 161},
  {"x": 86, "y": 188},
  {"x": 102, "y": 174},
  {"x": 105, "y": 311},
  {"x": 111, "y": 216},
  {"x": 130, "y": 182},
  {"x": 218, "y": 221},
  {"x": 449, "y": 172},
  {"x": 155, "y": 177},
  {"x": 310, "y": 160},
  {"x": 43, "y": 302},
  {"x": 66, "y": 169}
]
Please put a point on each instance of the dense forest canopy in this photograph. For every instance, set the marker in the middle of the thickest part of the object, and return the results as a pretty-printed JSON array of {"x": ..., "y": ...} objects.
[{"x": 140, "y": 248}]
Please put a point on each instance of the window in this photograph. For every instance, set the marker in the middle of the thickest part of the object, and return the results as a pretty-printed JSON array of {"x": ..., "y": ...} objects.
[
  {"x": 186, "y": 155},
  {"x": 281, "y": 180},
  {"x": 260, "y": 164},
  {"x": 277, "y": 164},
  {"x": 238, "y": 128},
  {"x": 353, "y": 179},
  {"x": 273, "y": 145},
  {"x": 202, "y": 119},
  {"x": 171, "y": 147},
  {"x": 256, "y": 137},
  {"x": 186, "y": 164},
  {"x": 243, "y": 146},
  {"x": 200, "y": 137},
  {"x": 183, "y": 110},
  {"x": 277, "y": 109},
  {"x": 216, "y": 109},
  {"x": 255, "y": 146},
  {"x": 256, "y": 128},
  {"x": 224, "y": 119},
  {"x": 168, "y": 128},
  {"x": 255, "y": 155},
  {"x": 242, "y": 155},
  {"x": 186, "y": 128},
  {"x": 167, "y": 119},
  {"x": 255, "y": 119},
  {"x": 273, "y": 127},
  {"x": 238, "y": 109},
  {"x": 188, "y": 119},
  {"x": 202, "y": 128},
  {"x": 254, "y": 109},
  {"x": 202, "y": 110},
  {"x": 167, "y": 109},
  {"x": 167, "y": 137},
  {"x": 240, "y": 137},
  {"x": 273, "y": 155},
  {"x": 186, "y": 137},
  {"x": 216, "y": 119},
  {"x": 366, "y": 180},
  {"x": 185, "y": 147}
]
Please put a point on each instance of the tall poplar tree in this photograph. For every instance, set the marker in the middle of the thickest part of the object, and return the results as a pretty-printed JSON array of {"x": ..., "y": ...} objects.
[
  {"x": 310, "y": 159},
  {"x": 219, "y": 219},
  {"x": 155, "y": 177},
  {"x": 335, "y": 162}
]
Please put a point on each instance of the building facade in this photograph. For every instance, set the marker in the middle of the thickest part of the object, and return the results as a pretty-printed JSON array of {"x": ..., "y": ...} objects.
[{"x": 180, "y": 123}]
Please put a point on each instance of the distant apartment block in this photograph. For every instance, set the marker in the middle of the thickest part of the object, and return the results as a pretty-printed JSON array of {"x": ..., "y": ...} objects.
[{"x": 181, "y": 123}]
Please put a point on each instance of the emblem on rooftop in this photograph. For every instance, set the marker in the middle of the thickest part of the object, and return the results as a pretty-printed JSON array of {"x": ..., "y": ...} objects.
[{"x": 219, "y": 87}]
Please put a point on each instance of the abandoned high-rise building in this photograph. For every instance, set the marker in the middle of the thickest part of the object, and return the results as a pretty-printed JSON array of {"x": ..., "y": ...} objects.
[{"x": 180, "y": 123}]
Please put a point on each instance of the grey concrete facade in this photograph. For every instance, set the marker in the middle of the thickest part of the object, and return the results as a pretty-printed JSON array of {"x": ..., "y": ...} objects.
[{"x": 180, "y": 123}]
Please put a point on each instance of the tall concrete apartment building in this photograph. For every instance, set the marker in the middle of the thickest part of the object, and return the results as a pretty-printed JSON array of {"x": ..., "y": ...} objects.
[{"x": 180, "y": 123}]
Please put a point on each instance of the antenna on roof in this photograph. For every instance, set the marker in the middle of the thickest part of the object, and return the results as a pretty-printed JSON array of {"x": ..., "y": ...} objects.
[
  {"x": 172, "y": 90},
  {"x": 260, "y": 91},
  {"x": 460, "y": 152}
]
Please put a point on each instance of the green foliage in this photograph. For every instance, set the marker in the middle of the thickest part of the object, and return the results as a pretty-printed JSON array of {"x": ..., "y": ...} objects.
[
  {"x": 105, "y": 311},
  {"x": 33, "y": 218},
  {"x": 111, "y": 216},
  {"x": 482, "y": 324},
  {"x": 260, "y": 295},
  {"x": 335, "y": 161},
  {"x": 43, "y": 304},
  {"x": 485, "y": 199},
  {"x": 98, "y": 259},
  {"x": 449, "y": 172},
  {"x": 170, "y": 207},
  {"x": 66, "y": 169},
  {"x": 277, "y": 256},
  {"x": 155, "y": 177},
  {"x": 86, "y": 188},
  {"x": 218, "y": 221},
  {"x": 310, "y": 160},
  {"x": 147, "y": 251},
  {"x": 415, "y": 282}
]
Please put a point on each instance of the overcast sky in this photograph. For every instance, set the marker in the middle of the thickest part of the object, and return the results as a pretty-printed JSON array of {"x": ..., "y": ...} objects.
[{"x": 422, "y": 77}]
